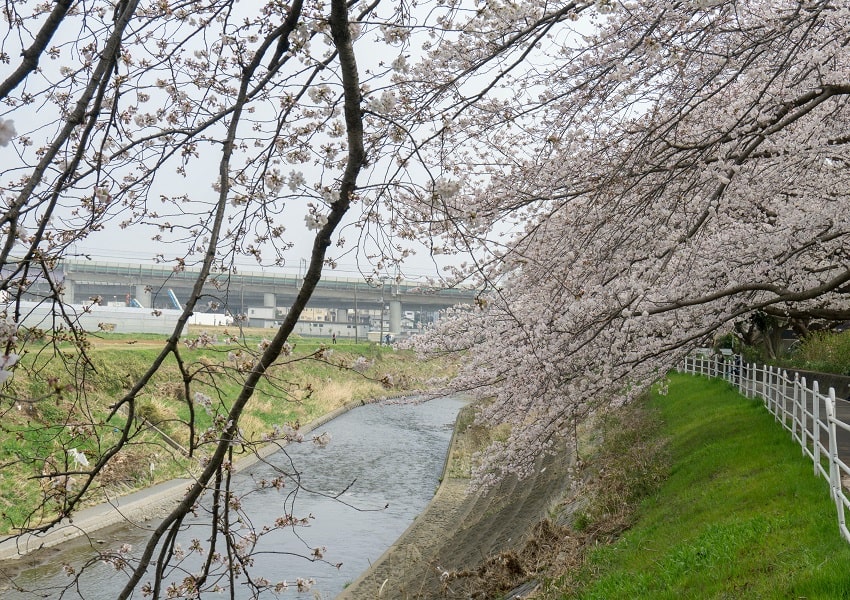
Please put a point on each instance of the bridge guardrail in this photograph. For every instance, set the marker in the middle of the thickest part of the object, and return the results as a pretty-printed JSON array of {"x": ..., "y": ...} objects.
[{"x": 809, "y": 415}]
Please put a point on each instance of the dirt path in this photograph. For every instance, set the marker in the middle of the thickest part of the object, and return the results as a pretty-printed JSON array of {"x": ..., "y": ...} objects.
[{"x": 457, "y": 531}]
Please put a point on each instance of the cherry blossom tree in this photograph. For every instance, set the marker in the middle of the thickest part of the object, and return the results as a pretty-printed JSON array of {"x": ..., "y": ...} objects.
[
  {"x": 663, "y": 176},
  {"x": 623, "y": 179}
]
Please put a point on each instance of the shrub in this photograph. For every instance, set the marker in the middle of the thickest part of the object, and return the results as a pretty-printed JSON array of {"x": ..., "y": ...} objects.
[{"x": 825, "y": 351}]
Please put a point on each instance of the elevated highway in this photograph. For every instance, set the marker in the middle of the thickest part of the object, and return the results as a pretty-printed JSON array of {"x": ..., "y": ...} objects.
[{"x": 160, "y": 286}]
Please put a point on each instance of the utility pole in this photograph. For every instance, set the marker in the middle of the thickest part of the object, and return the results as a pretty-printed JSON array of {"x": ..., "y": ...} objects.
[{"x": 381, "y": 340}]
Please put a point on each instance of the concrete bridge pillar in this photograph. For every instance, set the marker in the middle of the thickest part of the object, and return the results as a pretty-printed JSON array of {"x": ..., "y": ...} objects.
[
  {"x": 269, "y": 301},
  {"x": 143, "y": 295},
  {"x": 395, "y": 316},
  {"x": 68, "y": 291}
]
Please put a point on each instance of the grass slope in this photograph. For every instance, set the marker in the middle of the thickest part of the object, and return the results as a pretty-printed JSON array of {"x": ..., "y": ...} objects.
[
  {"x": 55, "y": 415},
  {"x": 740, "y": 516}
]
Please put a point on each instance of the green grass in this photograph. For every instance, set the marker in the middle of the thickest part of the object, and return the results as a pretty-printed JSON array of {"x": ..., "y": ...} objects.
[{"x": 741, "y": 514}]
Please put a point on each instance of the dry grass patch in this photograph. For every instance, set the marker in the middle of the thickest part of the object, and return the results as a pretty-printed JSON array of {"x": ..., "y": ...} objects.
[
  {"x": 252, "y": 427},
  {"x": 332, "y": 395}
]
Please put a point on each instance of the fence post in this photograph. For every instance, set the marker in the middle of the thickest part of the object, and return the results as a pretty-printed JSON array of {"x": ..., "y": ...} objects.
[
  {"x": 763, "y": 375},
  {"x": 816, "y": 420},
  {"x": 795, "y": 406},
  {"x": 834, "y": 469},
  {"x": 765, "y": 378},
  {"x": 754, "y": 379},
  {"x": 768, "y": 390},
  {"x": 736, "y": 371},
  {"x": 786, "y": 397}
]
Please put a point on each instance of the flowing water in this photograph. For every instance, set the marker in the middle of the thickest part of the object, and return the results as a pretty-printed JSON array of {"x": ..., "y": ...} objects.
[{"x": 366, "y": 486}]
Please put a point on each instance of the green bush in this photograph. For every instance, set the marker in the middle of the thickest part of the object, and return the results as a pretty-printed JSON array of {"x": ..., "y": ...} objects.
[{"x": 825, "y": 351}]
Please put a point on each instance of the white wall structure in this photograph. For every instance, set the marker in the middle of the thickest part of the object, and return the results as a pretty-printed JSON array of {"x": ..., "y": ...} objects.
[
  {"x": 210, "y": 319},
  {"x": 94, "y": 318}
]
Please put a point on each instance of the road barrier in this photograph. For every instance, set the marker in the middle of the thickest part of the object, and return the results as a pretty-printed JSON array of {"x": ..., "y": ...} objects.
[{"x": 810, "y": 416}]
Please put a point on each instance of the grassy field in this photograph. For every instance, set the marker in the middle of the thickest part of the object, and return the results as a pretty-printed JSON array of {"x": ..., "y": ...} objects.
[
  {"x": 740, "y": 514},
  {"x": 53, "y": 405}
]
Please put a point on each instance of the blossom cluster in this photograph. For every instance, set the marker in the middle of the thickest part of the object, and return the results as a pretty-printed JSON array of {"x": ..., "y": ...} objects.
[
  {"x": 7, "y": 131},
  {"x": 361, "y": 364}
]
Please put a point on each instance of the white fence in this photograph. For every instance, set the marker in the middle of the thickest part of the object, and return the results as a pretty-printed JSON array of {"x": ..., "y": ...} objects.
[{"x": 810, "y": 416}]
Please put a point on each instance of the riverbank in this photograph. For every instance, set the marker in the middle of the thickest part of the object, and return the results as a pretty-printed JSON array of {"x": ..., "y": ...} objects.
[
  {"x": 315, "y": 379},
  {"x": 455, "y": 531},
  {"x": 670, "y": 473},
  {"x": 741, "y": 514},
  {"x": 138, "y": 507},
  {"x": 459, "y": 531}
]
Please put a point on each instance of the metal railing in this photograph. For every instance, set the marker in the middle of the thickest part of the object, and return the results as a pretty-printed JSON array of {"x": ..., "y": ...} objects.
[{"x": 811, "y": 417}]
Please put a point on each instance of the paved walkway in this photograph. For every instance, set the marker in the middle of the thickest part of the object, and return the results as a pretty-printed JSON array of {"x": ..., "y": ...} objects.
[{"x": 137, "y": 507}]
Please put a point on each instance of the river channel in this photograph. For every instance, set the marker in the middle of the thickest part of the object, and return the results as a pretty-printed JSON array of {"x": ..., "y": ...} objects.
[{"x": 385, "y": 458}]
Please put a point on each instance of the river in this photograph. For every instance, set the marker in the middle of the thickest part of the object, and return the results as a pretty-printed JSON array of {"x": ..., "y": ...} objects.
[{"x": 385, "y": 458}]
